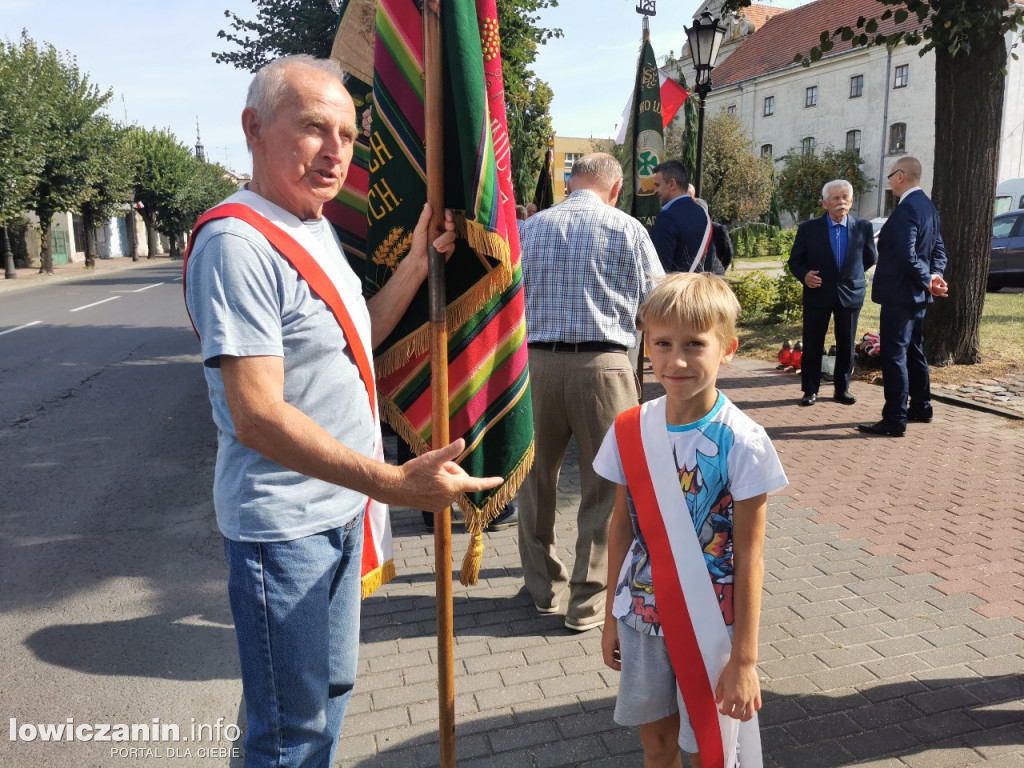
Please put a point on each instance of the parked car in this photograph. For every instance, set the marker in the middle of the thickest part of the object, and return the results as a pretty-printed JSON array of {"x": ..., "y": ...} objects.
[
  {"x": 1010, "y": 195},
  {"x": 876, "y": 225},
  {"x": 1006, "y": 266}
]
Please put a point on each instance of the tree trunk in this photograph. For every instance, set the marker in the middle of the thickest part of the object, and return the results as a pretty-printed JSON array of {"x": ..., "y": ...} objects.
[
  {"x": 46, "y": 242},
  {"x": 968, "y": 115},
  {"x": 176, "y": 247},
  {"x": 151, "y": 241},
  {"x": 90, "y": 245}
]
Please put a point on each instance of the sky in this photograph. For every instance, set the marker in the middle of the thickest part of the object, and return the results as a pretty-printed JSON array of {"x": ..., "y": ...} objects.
[
  {"x": 591, "y": 69},
  {"x": 154, "y": 55},
  {"x": 155, "y": 58}
]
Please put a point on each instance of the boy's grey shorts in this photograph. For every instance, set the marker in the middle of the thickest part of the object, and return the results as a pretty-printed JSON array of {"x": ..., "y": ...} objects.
[{"x": 647, "y": 685}]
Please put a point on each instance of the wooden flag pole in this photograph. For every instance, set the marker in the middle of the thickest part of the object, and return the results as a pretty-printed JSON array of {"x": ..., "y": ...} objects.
[{"x": 434, "y": 140}]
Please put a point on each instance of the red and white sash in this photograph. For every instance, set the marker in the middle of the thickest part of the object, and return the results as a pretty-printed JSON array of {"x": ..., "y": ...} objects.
[
  {"x": 705, "y": 243},
  {"x": 695, "y": 635},
  {"x": 323, "y": 274}
]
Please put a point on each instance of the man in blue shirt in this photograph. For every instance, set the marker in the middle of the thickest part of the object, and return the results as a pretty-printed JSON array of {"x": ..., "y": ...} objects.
[{"x": 830, "y": 255}]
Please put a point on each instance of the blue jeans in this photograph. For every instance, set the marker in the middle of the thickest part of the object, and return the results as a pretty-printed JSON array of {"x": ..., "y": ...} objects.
[{"x": 296, "y": 611}]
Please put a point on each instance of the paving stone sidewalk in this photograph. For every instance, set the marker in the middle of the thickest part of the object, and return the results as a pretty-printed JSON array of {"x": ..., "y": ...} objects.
[{"x": 892, "y": 631}]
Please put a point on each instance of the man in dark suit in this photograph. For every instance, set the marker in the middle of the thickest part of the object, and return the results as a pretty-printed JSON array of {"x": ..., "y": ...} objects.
[
  {"x": 830, "y": 255},
  {"x": 682, "y": 231},
  {"x": 909, "y": 274}
]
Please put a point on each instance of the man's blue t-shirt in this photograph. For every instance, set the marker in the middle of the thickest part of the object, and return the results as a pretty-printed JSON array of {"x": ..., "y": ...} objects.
[{"x": 247, "y": 300}]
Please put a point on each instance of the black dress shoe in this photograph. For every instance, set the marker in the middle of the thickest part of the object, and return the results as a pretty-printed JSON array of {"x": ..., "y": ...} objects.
[
  {"x": 809, "y": 399},
  {"x": 883, "y": 428},
  {"x": 920, "y": 418},
  {"x": 844, "y": 397}
]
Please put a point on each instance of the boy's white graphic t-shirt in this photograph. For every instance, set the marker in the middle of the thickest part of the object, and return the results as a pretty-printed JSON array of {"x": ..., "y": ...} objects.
[{"x": 722, "y": 458}]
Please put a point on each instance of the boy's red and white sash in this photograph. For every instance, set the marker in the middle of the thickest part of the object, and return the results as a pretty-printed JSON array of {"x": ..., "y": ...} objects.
[
  {"x": 695, "y": 634},
  {"x": 323, "y": 274}
]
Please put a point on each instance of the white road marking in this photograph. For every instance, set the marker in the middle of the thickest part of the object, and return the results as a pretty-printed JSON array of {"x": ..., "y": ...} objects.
[
  {"x": 20, "y": 327},
  {"x": 94, "y": 304},
  {"x": 140, "y": 290}
]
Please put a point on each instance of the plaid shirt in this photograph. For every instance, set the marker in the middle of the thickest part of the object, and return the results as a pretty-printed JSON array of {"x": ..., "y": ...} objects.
[{"x": 586, "y": 268}]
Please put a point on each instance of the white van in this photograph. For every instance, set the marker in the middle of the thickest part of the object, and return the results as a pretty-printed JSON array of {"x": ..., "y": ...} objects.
[{"x": 1009, "y": 195}]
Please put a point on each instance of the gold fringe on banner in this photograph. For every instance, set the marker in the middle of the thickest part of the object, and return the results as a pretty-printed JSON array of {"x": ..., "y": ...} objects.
[
  {"x": 377, "y": 578},
  {"x": 460, "y": 310},
  {"x": 476, "y": 520}
]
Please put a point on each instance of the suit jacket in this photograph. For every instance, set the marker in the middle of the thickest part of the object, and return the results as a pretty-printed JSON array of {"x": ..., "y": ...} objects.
[
  {"x": 723, "y": 244},
  {"x": 679, "y": 234},
  {"x": 910, "y": 251},
  {"x": 812, "y": 249}
]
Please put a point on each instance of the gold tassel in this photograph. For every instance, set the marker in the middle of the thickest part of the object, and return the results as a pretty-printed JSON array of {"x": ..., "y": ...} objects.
[{"x": 469, "y": 574}]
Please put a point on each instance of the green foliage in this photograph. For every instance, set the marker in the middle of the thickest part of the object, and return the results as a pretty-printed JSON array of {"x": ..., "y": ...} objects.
[
  {"x": 800, "y": 182},
  {"x": 736, "y": 183},
  {"x": 67, "y": 104},
  {"x": 766, "y": 299},
  {"x": 527, "y": 98},
  {"x": 111, "y": 172},
  {"x": 23, "y": 116},
  {"x": 281, "y": 28},
  {"x": 756, "y": 241}
]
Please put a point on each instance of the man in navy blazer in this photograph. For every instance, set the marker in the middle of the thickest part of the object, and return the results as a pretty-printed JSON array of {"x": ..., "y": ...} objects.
[
  {"x": 911, "y": 262},
  {"x": 682, "y": 231},
  {"x": 829, "y": 256}
]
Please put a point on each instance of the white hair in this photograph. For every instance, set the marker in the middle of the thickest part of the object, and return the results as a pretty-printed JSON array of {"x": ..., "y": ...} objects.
[
  {"x": 268, "y": 87},
  {"x": 836, "y": 183}
]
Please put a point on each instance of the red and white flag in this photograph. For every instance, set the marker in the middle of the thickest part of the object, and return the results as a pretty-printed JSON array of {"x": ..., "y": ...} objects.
[{"x": 673, "y": 96}]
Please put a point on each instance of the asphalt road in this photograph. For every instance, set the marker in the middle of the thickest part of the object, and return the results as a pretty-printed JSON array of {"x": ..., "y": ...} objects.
[{"x": 112, "y": 598}]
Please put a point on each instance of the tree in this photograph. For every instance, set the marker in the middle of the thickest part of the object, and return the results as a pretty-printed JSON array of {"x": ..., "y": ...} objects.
[
  {"x": 527, "y": 97},
  {"x": 800, "y": 182},
  {"x": 307, "y": 26},
  {"x": 163, "y": 169},
  {"x": 736, "y": 183},
  {"x": 69, "y": 104},
  {"x": 22, "y": 119},
  {"x": 204, "y": 186},
  {"x": 969, "y": 40},
  {"x": 110, "y": 180},
  {"x": 281, "y": 28}
]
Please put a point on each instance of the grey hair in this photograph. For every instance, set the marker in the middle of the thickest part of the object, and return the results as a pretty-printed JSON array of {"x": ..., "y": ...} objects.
[
  {"x": 600, "y": 166},
  {"x": 702, "y": 203},
  {"x": 268, "y": 87},
  {"x": 836, "y": 183}
]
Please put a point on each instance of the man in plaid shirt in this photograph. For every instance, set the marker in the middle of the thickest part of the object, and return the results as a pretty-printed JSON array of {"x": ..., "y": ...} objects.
[{"x": 587, "y": 266}]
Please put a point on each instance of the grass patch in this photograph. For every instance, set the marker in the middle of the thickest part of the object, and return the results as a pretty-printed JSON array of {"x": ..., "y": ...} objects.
[{"x": 1002, "y": 340}]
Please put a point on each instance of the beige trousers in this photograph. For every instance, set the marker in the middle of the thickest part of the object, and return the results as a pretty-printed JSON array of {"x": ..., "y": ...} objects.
[{"x": 575, "y": 395}]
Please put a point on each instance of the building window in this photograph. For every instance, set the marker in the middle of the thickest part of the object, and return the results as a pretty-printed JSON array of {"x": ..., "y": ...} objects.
[
  {"x": 731, "y": 109},
  {"x": 856, "y": 86},
  {"x": 571, "y": 158},
  {"x": 766, "y": 151},
  {"x": 897, "y": 138},
  {"x": 901, "y": 76},
  {"x": 807, "y": 146},
  {"x": 811, "y": 96},
  {"x": 853, "y": 141},
  {"x": 769, "y": 106}
]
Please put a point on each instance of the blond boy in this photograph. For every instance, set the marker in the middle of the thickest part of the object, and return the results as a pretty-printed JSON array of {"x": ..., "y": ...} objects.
[{"x": 693, "y": 475}]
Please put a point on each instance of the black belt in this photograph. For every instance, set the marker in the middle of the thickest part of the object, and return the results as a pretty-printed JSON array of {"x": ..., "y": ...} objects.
[{"x": 583, "y": 346}]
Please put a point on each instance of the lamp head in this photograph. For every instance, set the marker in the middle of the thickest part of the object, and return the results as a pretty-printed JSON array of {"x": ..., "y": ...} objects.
[{"x": 705, "y": 39}]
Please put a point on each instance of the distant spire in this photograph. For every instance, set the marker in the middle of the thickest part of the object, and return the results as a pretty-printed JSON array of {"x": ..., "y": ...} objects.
[{"x": 200, "y": 150}]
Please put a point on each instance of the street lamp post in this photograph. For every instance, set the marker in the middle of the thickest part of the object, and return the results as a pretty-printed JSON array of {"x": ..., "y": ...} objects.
[
  {"x": 9, "y": 271},
  {"x": 704, "y": 38}
]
